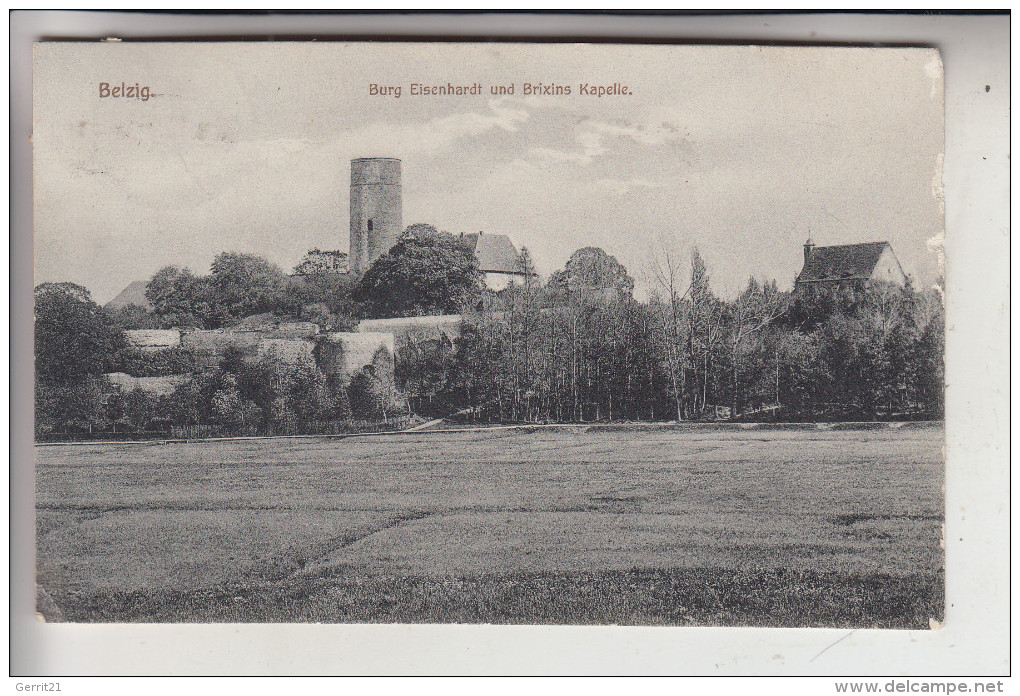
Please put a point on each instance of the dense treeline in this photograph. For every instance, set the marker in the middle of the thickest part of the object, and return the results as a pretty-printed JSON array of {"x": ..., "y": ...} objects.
[
  {"x": 426, "y": 272},
  {"x": 579, "y": 347},
  {"x": 582, "y": 348},
  {"x": 241, "y": 285}
]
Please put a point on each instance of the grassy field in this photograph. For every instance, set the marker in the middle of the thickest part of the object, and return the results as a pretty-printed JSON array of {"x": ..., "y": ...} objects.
[{"x": 686, "y": 526}]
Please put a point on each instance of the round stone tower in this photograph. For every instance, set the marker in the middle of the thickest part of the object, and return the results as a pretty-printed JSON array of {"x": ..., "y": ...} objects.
[{"x": 376, "y": 210}]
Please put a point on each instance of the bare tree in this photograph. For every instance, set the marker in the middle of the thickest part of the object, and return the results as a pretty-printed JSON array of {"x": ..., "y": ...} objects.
[
  {"x": 666, "y": 269},
  {"x": 706, "y": 329}
]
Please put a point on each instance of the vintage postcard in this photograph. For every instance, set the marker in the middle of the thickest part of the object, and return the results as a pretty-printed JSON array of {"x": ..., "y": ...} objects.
[{"x": 489, "y": 333}]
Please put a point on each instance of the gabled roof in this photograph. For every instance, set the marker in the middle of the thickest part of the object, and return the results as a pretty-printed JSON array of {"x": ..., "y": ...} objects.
[
  {"x": 843, "y": 262},
  {"x": 133, "y": 294},
  {"x": 495, "y": 252}
]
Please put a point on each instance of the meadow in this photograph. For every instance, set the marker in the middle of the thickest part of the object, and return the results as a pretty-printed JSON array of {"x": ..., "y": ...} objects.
[{"x": 637, "y": 525}]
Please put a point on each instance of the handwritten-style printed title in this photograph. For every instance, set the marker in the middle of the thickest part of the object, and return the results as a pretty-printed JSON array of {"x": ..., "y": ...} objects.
[
  {"x": 524, "y": 89},
  {"x": 124, "y": 90}
]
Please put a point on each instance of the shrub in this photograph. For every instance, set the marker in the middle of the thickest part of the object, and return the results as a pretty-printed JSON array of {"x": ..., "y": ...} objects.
[{"x": 173, "y": 361}]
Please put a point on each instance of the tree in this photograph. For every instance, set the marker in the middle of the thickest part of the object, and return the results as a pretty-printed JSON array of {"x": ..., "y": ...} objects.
[
  {"x": 139, "y": 408},
  {"x": 246, "y": 284},
  {"x": 229, "y": 407},
  {"x": 372, "y": 392},
  {"x": 317, "y": 262},
  {"x": 928, "y": 361},
  {"x": 754, "y": 309},
  {"x": 666, "y": 269},
  {"x": 182, "y": 406},
  {"x": 180, "y": 298},
  {"x": 271, "y": 395},
  {"x": 74, "y": 338},
  {"x": 309, "y": 395},
  {"x": 590, "y": 280},
  {"x": 420, "y": 230},
  {"x": 424, "y": 369},
  {"x": 327, "y": 320},
  {"x": 802, "y": 375},
  {"x": 78, "y": 406},
  {"x": 592, "y": 270},
  {"x": 706, "y": 332},
  {"x": 524, "y": 318},
  {"x": 133, "y": 317},
  {"x": 239, "y": 285},
  {"x": 873, "y": 353},
  {"x": 420, "y": 276},
  {"x": 320, "y": 291}
]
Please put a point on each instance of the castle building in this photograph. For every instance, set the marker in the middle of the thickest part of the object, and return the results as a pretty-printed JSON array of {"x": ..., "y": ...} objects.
[
  {"x": 498, "y": 259},
  {"x": 376, "y": 210},
  {"x": 376, "y": 217},
  {"x": 376, "y": 225},
  {"x": 846, "y": 263}
]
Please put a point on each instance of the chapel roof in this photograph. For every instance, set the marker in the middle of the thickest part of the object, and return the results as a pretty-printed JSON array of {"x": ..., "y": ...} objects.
[
  {"x": 495, "y": 252},
  {"x": 841, "y": 262}
]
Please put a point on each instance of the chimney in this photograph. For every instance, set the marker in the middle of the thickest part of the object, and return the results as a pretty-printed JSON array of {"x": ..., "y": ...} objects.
[{"x": 808, "y": 247}]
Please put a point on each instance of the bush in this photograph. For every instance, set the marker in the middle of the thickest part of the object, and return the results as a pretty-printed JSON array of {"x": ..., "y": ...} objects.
[
  {"x": 133, "y": 317},
  {"x": 173, "y": 361},
  {"x": 70, "y": 407},
  {"x": 372, "y": 392},
  {"x": 182, "y": 407}
]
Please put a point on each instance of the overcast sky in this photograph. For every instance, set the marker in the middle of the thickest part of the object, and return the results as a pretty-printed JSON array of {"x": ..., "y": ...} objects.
[{"x": 740, "y": 151}]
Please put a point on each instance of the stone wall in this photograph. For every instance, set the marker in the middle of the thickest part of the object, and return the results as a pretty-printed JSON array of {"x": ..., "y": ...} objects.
[
  {"x": 286, "y": 350},
  {"x": 417, "y": 328},
  {"x": 294, "y": 330},
  {"x": 338, "y": 353},
  {"x": 344, "y": 354},
  {"x": 271, "y": 327},
  {"x": 153, "y": 386},
  {"x": 152, "y": 340},
  {"x": 218, "y": 340}
]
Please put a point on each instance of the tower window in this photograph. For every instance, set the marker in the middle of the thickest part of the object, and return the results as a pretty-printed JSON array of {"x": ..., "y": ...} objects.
[{"x": 369, "y": 225}]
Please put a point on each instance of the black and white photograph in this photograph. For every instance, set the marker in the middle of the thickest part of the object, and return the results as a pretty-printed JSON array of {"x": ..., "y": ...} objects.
[{"x": 502, "y": 333}]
